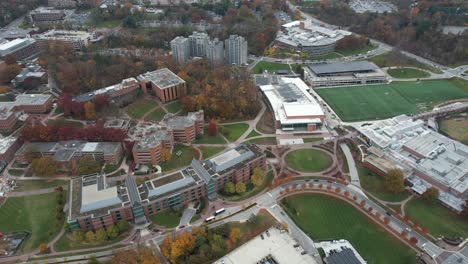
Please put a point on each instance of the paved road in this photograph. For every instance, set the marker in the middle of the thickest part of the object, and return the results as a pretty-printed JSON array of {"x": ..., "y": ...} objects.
[
  {"x": 353, "y": 173},
  {"x": 186, "y": 216}
]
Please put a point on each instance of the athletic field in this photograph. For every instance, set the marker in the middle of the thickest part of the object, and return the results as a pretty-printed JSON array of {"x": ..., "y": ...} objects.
[{"x": 371, "y": 102}]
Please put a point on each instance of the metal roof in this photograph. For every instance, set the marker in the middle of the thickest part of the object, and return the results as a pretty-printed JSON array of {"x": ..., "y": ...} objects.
[
  {"x": 201, "y": 171},
  {"x": 345, "y": 256},
  {"x": 132, "y": 190},
  {"x": 166, "y": 188},
  {"x": 340, "y": 67}
]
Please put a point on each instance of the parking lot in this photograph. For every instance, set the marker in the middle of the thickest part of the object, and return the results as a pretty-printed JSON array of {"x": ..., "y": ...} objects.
[{"x": 280, "y": 245}]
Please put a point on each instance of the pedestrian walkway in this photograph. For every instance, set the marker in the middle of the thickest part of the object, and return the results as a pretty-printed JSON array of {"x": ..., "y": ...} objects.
[{"x": 353, "y": 173}]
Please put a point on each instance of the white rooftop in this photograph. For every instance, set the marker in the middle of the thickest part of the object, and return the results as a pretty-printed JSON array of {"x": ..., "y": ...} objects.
[
  {"x": 92, "y": 198},
  {"x": 292, "y": 103},
  {"x": 5, "y": 143}
]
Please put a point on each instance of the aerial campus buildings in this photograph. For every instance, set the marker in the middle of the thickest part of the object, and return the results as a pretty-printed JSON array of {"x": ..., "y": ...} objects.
[
  {"x": 344, "y": 73},
  {"x": 95, "y": 203},
  {"x": 21, "y": 48},
  {"x": 78, "y": 39},
  {"x": 305, "y": 37},
  {"x": 164, "y": 83},
  {"x": 199, "y": 44},
  {"x": 427, "y": 158},
  {"x": 10, "y": 112},
  {"x": 293, "y": 106}
]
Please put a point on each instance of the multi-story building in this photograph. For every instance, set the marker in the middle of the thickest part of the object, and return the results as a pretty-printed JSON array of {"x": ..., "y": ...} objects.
[
  {"x": 96, "y": 204},
  {"x": 427, "y": 158},
  {"x": 66, "y": 152},
  {"x": 8, "y": 148},
  {"x": 181, "y": 129},
  {"x": 148, "y": 149},
  {"x": 78, "y": 39},
  {"x": 236, "y": 50},
  {"x": 198, "y": 42},
  {"x": 10, "y": 112},
  {"x": 344, "y": 73},
  {"x": 180, "y": 48},
  {"x": 46, "y": 14},
  {"x": 119, "y": 94},
  {"x": 32, "y": 73},
  {"x": 293, "y": 106},
  {"x": 303, "y": 36},
  {"x": 166, "y": 84},
  {"x": 215, "y": 52},
  {"x": 24, "y": 48},
  {"x": 62, "y": 3}
]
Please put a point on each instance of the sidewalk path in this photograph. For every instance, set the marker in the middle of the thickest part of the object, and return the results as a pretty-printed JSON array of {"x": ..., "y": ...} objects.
[{"x": 353, "y": 173}]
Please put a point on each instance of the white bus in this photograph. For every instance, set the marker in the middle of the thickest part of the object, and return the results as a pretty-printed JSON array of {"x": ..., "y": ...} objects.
[
  {"x": 209, "y": 219},
  {"x": 220, "y": 211}
]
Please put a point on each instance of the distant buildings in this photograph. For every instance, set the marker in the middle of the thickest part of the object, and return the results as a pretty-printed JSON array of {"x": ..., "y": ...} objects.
[
  {"x": 66, "y": 152},
  {"x": 10, "y": 112},
  {"x": 119, "y": 94},
  {"x": 78, "y": 39},
  {"x": 62, "y": 3},
  {"x": 215, "y": 52},
  {"x": 95, "y": 203},
  {"x": 22, "y": 48},
  {"x": 32, "y": 73},
  {"x": 293, "y": 107},
  {"x": 166, "y": 84},
  {"x": 180, "y": 50},
  {"x": 8, "y": 148},
  {"x": 305, "y": 37},
  {"x": 426, "y": 157},
  {"x": 182, "y": 129},
  {"x": 344, "y": 73},
  {"x": 46, "y": 14},
  {"x": 234, "y": 51},
  {"x": 372, "y": 6}
]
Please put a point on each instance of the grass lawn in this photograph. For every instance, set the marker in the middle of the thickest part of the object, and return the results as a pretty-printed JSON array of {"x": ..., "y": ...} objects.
[
  {"x": 373, "y": 102},
  {"x": 264, "y": 141},
  {"x": 329, "y": 56},
  {"x": 456, "y": 128},
  {"x": 350, "y": 52},
  {"x": 387, "y": 60},
  {"x": 438, "y": 219},
  {"x": 195, "y": 218},
  {"x": 62, "y": 122},
  {"x": 251, "y": 189},
  {"x": 207, "y": 139},
  {"x": 308, "y": 140},
  {"x": 16, "y": 172},
  {"x": 186, "y": 156},
  {"x": 66, "y": 242},
  {"x": 269, "y": 66},
  {"x": 35, "y": 214},
  {"x": 406, "y": 73},
  {"x": 233, "y": 132},
  {"x": 210, "y": 151},
  {"x": 29, "y": 185},
  {"x": 108, "y": 168},
  {"x": 374, "y": 184},
  {"x": 156, "y": 115},
  {"x": 166, "y": 218},
  {"x": 173, "y": 107},
  {"x": 105, "y": 23},
  {"x": 253, "y": 133},
  {"x": 139, "y": 108},
  {"x": 308, "y": 160},
  {"x": 318, "y": 216},
  {"x": 460, "y": 83},
  {"x": 250, "y": 229}
]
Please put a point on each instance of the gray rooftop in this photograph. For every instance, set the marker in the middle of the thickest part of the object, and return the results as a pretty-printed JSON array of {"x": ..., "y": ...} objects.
[
  {"x": 153, "y": 139},
  {"x": 163, "y": 78},
  {"x": 155, "y": 189},
  {"x": 230, "y": 158},
  {"x": 342, "y": 67},
  {"x": 14, "y": 45},
  {"x": 345, "y": 256}
]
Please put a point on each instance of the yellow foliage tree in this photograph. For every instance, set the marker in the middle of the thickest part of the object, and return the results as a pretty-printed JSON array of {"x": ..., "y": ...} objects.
[
  {"x": 165, "y": 155},
  {"x": 234, "y": 234},
  {"x": 90, "y": 111}
]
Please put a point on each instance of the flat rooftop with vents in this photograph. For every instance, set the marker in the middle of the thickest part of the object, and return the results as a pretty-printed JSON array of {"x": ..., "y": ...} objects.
[{"x": 163, "y": 78}]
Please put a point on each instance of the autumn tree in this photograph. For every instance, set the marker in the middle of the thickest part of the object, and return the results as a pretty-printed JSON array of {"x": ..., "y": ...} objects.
[
  {"x": 213, "y": 128},
  {"x": 229, "y": 188},
  {"x": 182, "y": 245},
  {"x": 234, "y": 234},
  {"x": 101, "y": 235},
  {"x": 90, "y": 237},
  {"x": 257, "y": 177},
  {"x": 88, "y": 165},
  {"x": 44, "y": 166},
  {"x": 112, "y": 231},
  {"x": 165, "y": 155},
  {"x": 78, "y": 235},
  {"x": 141, "y": 255},
  {"x": 240, "y": 187},
  {"x": 394, "y": 182},
  {"x": 430, "y": 195},
  {"x": 90, "y": 111},
  {"x": 42, "y": 248}
]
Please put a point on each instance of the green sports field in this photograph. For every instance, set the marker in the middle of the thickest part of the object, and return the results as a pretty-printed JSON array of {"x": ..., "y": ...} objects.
[{"x": 371, "y": 102}]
